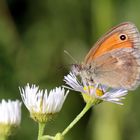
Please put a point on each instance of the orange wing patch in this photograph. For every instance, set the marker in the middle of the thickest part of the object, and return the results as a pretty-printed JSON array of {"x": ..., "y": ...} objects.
[{"x": 112, "y": 42}]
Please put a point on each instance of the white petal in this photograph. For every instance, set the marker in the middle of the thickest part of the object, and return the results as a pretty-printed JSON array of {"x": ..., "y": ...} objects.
[
  {"x": 72, "y": 81},
  {"x": 114, "y": 95}
]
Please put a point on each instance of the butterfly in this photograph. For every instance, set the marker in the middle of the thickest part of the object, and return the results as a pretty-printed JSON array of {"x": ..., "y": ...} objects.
[{"x": 114, "y": 60}]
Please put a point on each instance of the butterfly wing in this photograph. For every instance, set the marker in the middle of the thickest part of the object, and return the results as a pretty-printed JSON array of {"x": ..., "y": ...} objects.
[
  {"x": 112, "y": 40},
  {"x": 117, "y": 69},
  {"x": 115, "y": 59}
]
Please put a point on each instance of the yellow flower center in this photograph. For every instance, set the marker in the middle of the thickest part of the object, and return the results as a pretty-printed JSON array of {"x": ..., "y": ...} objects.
[
  {"x": 91, "y": 95},
  {"x": 41, "y": 117},
  {"x": 89, "y": 89},
  {"x": 7, "y": 129}
]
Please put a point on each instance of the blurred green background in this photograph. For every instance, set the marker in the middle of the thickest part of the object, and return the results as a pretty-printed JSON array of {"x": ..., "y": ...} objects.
[{"x": 33, "y": 37}]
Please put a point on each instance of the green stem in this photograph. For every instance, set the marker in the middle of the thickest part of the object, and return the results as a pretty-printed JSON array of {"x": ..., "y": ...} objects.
[
  {"x": 86, "y": 108},
  {"x": 40, "y": 130},
  {"x": 46, "y": 137}
]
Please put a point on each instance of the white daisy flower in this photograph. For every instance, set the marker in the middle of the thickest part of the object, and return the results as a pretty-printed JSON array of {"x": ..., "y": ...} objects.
[
  {"x": 10, "y": 116},
  {"x": 10, "y": 112},
  {"x": 94, "y": 91},
  {"x": 40, "y": 103}
]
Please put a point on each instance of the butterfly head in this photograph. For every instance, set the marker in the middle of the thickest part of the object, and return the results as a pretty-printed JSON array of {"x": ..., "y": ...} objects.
[
  {"x": 76, "y": 69},
  {"x": 84, "y": 71}
]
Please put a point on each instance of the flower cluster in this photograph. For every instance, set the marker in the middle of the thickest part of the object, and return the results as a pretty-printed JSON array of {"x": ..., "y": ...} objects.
[{"x": 42, "y": 104}]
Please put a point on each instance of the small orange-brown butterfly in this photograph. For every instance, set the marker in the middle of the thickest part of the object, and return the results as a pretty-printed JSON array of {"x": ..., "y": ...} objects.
[{"x": 115, "y": 59}]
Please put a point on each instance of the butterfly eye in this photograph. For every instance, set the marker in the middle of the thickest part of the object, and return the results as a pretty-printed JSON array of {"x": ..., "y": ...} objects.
[{"x": 123, "y": 37}]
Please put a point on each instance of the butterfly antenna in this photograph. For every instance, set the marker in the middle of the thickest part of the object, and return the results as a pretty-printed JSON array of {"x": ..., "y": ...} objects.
[{"x": 70, "y": 56}]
